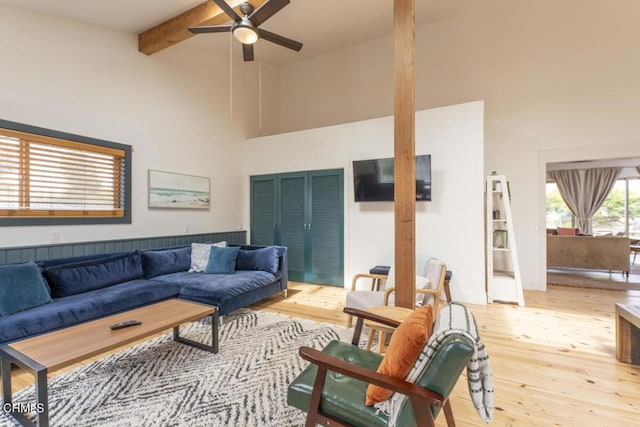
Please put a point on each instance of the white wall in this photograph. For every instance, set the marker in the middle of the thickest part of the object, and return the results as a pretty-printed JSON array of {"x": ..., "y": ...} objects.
[
  {"x": 172, "y": 107},
  {"x": 451, "y": 227},
  {"x": 559, "y": 81},
  {"x": 553, "y": 75}
]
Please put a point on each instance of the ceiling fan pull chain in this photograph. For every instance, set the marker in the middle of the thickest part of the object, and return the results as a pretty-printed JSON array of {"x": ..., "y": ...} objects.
[
  {"x": 259, "y": 94},
  {"x": 231, "y": 80}
]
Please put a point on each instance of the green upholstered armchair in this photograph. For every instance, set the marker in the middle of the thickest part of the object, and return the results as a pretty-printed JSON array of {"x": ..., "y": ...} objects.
[{"x": 332, "y": 388}]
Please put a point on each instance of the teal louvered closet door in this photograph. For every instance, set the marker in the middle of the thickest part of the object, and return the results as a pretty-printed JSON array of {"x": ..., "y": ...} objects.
[
  {"x": 292, "y": 220},
  {"x": 308, "y": 219},
  {"x": 326, "y": 228},
  {"x": 263, "y": 209}
]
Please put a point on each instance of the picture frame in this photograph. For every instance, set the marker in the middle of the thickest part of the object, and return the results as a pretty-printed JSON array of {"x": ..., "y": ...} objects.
[
  {"x": 168, "y": 190},
  {"x": 500, "y": 239}
]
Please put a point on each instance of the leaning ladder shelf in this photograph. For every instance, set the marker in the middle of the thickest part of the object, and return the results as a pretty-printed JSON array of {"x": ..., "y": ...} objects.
[{"x": 504, "y": 283}]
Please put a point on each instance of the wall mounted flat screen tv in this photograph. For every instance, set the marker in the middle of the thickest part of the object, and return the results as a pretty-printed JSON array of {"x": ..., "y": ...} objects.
[{"x": 373, "y": 179}]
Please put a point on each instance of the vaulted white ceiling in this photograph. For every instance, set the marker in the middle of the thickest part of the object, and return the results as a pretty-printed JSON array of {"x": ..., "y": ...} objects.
[{"x": 322, "y": 25}]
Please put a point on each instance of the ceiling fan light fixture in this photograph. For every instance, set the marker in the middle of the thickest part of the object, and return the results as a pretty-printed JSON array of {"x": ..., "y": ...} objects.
[{"x": 245, "y": 32}]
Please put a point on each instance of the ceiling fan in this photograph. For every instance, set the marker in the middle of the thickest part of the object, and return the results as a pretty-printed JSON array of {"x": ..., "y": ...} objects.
[{"x": 246, "y": 28}]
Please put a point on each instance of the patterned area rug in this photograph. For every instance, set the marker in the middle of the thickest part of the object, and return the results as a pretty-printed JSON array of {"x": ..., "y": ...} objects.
[{"x": 160, "y": 382}]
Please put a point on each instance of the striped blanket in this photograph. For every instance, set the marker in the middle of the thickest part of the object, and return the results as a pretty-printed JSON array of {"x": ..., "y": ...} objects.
[{"x": 454, "y": 318}]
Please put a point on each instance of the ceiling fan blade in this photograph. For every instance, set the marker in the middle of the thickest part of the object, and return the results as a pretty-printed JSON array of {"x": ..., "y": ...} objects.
[
  {"x": 210, "y": 29},
  {"x": 267, "y": 10},
  {"x": 278, "y": 39},
  {"x": 228, "y": 10},
  {"x": 247, "y": 52}
]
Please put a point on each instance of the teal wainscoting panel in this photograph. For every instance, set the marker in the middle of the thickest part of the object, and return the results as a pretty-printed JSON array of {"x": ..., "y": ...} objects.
[{"x": 42, "y": 252}]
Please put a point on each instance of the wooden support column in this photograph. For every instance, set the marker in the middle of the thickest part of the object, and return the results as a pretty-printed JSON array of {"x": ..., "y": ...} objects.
[{"x": 404, "y": 151}]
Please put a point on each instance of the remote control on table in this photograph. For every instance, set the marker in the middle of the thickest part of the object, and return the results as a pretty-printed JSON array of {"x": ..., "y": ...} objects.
[{"x": 125, "y": 324}]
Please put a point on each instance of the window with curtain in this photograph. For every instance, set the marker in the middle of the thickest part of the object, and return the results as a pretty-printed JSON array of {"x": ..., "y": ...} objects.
[
  {"x": 557, "y": 212},
  {"x": 619, "y": 213},
  {"x": 46, "y": 179}
]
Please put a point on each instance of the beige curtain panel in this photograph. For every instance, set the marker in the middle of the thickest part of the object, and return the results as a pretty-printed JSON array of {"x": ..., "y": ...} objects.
[{"x": 584, "y": 191}]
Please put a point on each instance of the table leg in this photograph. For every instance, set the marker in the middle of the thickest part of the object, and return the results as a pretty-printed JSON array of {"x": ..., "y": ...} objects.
[
  {"x": 627, "y": 337},
  {"x": 213, "y": 348},
  {"x": 42, "y": 399},
  {"x": 6, "y": 379},
  {"x": 10, "y": 356},
  {"x": 623, "y": 339}
]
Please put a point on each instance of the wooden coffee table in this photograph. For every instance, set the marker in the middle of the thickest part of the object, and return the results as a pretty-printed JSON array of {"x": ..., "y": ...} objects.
[{"x": 55, "y": 350}]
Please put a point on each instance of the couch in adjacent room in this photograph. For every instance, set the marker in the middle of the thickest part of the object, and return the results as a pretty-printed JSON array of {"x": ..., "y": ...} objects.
[
  {"x": 42, "y": 296},
  {"x": 588, "y": 252}
]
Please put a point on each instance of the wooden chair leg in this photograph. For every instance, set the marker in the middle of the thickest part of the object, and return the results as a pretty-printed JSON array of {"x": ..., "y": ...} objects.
[
  {"x": 349, "y": 320},
  {"x": 314, "y": 405},
  {"x": 382, "y": 342},
  {"x": 448, "y": 413},
  {"x": 372, "y": 334},
  {"x": 447, "y": 291}
]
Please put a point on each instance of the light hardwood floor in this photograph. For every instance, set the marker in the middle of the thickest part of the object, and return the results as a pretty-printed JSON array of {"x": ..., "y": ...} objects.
[{"x": 553, "y": 361}]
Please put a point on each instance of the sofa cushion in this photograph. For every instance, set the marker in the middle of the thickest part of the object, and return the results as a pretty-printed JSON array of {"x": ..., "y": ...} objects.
[
  {"x": 222, "y": 260},
  {"x": 21, "y": 288},
  {"x": 83, "y": 276},
  {"x": 226, "y": 291},
  {"x": 74, "y": 309},
  {"x": 265, "y": 259},
  {"x": 200, "y": 255},
  {"x": 165, "y": 261},
  {"x": 405, "y": 346}
]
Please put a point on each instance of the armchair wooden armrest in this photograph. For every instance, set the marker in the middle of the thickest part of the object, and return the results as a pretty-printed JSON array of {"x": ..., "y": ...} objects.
[
  {"x": 387, "y": 294},
  {"x": 435, "y": 292},
  {"x": 375, "y": 280},
  {"x": 361, "y": 315},
  {"x": 392, "y": 289},
  {"x": 421, "y": 398}
]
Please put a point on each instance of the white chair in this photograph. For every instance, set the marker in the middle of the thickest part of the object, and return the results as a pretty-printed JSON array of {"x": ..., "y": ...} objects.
[{"x": 430, "y": 276}]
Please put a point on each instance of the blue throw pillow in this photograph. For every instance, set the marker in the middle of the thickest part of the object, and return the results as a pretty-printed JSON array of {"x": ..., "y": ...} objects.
[
  {"x": 79, "y": 277},
  {"x": 222, "y": 260},
  {"x": 165, "y": 261},
  {"x": 21, "y": 288},
  {"x": 264, "y": 259}
]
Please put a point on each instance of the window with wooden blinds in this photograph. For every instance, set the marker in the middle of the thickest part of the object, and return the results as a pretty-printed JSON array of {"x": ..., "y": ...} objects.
[{"x": 49, "y": 177}]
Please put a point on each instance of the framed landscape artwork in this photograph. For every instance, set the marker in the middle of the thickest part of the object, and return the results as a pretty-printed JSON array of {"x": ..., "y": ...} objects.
[{"x": 178, "y": 191}]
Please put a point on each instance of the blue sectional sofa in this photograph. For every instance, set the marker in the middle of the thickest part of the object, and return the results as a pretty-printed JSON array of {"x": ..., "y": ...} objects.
[{"x": 85, "y": 288}]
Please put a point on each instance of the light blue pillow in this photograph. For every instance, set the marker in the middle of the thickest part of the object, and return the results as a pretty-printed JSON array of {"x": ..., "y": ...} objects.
[
  {"x": 21, "y": 288},
  {"x": 222, "y": 260}
]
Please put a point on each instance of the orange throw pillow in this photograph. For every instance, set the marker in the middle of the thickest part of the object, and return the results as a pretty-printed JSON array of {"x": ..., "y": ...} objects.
[{"x": 404, "y": 348}]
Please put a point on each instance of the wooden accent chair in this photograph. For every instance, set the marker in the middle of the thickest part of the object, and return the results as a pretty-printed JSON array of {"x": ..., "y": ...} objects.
[
  {"x": 430, "y": 279},
  {"x": 332, "y": 388}
]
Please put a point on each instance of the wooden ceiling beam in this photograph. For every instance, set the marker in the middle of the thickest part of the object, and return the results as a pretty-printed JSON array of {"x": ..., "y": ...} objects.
[{"x": 175, "y": 30}]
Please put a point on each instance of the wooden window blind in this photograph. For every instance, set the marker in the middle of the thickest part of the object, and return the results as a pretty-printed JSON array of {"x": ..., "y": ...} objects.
[{"x": 42, "y": 176}]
